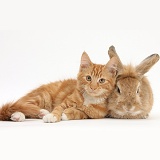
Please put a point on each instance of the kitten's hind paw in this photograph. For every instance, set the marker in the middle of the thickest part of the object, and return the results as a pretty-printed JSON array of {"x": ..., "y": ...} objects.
[
  {"x": 17, "y": 117},
  {"x": 49, "y": 118},
  {"x": 42, "y": 113}
]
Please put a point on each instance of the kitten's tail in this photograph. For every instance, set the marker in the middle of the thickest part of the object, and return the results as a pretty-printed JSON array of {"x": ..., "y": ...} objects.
[{"x": 30, "y": 111}]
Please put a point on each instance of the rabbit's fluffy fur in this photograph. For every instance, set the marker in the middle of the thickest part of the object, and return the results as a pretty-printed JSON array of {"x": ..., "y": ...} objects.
[{"x": 132, "y": 97}]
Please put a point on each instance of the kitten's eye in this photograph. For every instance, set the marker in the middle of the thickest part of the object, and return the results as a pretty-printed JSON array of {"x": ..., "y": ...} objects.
[
  {"x": 118, "y": 90},
  {"x": 88, "y": 78},
  {"x": 102, "y": 80}
]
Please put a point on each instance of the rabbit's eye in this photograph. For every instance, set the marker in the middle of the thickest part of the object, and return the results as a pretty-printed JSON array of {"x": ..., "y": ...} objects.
[
  {"x": 118, "y": 90},
  {"x": 137, "y": 91}
]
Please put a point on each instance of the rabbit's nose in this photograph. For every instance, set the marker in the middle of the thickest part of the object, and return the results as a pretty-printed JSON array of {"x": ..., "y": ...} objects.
[
  {"x": 129, "y": 93},
  {"x": 128, "y": 107}
]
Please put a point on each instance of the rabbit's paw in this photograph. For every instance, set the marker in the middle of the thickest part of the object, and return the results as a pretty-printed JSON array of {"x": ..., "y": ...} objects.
[{"x": 145, "y": 117}]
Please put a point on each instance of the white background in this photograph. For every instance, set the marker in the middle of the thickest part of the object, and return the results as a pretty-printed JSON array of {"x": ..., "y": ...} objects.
[{"x": 42, "y": 41}]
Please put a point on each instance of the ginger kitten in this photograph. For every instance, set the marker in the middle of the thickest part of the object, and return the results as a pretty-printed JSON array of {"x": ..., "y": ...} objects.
[
  {"x": 68, "y": 99},
  {"x": 95, "y": 83}
]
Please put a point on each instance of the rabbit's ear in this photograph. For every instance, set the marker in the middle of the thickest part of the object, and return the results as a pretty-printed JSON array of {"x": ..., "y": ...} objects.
[
  {"x": 114, "y": 66},
  {"x": 112, "y": 53},
  {"x": 147, "y": 63}
]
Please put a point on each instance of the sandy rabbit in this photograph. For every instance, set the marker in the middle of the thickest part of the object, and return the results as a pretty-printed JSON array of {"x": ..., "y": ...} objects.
[{"x": 132, "y": 97}]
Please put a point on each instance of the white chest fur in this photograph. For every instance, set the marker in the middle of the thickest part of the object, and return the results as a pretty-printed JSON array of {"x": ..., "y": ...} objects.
[{"x": 91, "y": 100}]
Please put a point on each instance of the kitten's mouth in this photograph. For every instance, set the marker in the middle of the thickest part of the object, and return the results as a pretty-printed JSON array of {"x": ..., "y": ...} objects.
[{"x": 93, "y": 93}]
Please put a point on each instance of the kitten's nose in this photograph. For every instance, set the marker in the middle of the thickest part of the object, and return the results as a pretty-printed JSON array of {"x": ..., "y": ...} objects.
[{"x": 93, "y": 88}]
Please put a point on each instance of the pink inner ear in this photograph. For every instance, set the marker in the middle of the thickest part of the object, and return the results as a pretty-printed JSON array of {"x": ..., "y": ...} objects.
[
  {"x": 85, "y": 60},
  {"x": 113, "y": 69},
  {"x": 85, "y": 64}
]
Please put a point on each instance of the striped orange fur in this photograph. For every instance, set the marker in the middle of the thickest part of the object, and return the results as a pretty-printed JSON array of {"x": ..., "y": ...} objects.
[{"x": 81, "y": 98}]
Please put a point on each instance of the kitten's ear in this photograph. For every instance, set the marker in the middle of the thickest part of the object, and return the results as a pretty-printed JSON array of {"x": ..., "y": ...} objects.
[
  {"x": 114, "y": 66},
  {"x": 85, "y": 61}
]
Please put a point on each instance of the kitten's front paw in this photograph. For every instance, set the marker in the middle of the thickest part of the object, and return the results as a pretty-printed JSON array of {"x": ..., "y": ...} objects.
[
  {"x": 42, "y": 113},
  {"x": 82, "y": 108},
  {"x": 64, "y": 117},
  {"x": 49, "y": 118},
  {"x": 18, "y": 117}
]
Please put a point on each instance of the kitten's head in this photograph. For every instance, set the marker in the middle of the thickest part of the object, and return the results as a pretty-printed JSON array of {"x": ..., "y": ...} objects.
[{"x": 95, "y": 79}]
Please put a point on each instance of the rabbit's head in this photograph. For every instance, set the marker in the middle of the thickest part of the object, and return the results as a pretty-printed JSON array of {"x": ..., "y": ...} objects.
[{"x": 132, "y": 97}]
